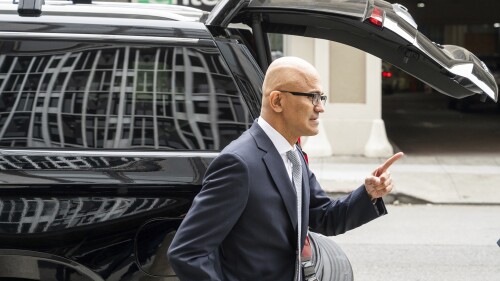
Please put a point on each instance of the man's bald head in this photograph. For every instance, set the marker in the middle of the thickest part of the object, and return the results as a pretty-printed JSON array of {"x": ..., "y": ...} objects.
[
  {"x": 291, "y": 114},
  {"x": 288, "y": 73}
]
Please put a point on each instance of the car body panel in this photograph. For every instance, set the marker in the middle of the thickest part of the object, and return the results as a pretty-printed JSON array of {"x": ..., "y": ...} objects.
[
  {"x": 96, "y": 233},
  {"x": 86, "y": 202},
  {"x": 106, "y": 167},
  {"x": 90, "y": 19},
  {"x": 87, "y": 207}
]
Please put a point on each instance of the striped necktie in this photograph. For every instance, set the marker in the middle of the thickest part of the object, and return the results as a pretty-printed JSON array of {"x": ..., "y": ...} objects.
[{"x": 297, "y": 183}]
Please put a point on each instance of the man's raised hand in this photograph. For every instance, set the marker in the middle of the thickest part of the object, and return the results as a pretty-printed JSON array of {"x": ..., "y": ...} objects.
[{"x": 379, "y": 183}]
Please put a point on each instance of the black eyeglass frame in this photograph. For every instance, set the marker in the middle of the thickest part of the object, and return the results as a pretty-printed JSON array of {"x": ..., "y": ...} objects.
[{"x": 316, "y": 97}]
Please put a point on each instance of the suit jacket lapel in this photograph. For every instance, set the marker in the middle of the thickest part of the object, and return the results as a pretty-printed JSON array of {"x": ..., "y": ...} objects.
[
  {"x": 284, "y": 185},
  {"x": 278, "y": 172}
]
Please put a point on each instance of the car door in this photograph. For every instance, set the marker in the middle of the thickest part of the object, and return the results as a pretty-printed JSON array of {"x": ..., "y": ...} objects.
[{"x": 385, "y": 30}]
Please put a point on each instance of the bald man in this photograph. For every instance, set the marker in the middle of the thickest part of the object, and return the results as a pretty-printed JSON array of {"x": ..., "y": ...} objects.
[{"x": 250, "y": 220}]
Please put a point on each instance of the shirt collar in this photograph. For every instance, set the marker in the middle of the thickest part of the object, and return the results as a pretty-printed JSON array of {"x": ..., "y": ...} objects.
[{"x": 277, "y": 139}]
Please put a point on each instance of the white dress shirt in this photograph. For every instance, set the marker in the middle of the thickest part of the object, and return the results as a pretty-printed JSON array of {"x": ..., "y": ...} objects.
[{"x": 280, "y": 143}]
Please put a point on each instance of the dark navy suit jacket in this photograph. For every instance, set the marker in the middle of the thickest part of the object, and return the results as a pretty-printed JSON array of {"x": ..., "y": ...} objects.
[{"x": 243, "y": 223}]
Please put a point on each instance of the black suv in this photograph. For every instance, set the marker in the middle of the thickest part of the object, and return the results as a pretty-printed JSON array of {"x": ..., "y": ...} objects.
[{"x": 111, "y": 112}]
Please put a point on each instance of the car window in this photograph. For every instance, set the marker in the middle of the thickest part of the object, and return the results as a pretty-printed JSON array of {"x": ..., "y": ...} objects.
[{"x": 83, "y": 95}]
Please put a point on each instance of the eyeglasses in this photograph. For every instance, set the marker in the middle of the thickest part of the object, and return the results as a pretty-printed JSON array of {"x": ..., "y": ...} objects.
[{"x": 315, "y": 97}]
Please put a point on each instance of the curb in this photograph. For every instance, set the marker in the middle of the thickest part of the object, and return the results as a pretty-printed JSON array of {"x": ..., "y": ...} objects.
[
  {"x": 402, "y": 198},
  {"x": 392, "y": 198}
]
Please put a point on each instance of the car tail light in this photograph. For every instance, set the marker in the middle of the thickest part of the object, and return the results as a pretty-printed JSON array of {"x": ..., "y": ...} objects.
[
  {"x": 377, "y": 17},
  {"x": 386, "y": 74}
]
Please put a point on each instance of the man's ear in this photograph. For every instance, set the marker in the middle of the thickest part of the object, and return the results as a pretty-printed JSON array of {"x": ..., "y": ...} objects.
[{"x": 275, "y": 101}]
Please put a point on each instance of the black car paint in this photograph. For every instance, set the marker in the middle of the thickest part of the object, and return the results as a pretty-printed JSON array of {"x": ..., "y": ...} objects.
[
  {"x": 93, "y": 182},
  {"x": 102, "y": 236}
]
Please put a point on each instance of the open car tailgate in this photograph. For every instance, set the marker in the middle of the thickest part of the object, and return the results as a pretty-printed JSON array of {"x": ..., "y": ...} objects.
[{"x": 385, "y": 30}]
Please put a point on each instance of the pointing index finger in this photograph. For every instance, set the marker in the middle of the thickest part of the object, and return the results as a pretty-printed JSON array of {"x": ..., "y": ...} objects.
[{"x": 388, "y": 163}]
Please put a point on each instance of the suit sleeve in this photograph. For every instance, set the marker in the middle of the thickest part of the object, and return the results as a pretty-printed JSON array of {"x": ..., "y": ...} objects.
[
  {"x": 336, "y": 216},
  {"x": 193, "y": 253}
]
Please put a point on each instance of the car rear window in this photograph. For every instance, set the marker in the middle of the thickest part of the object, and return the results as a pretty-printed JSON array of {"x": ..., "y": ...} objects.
[{"x": 86, "y": 95}]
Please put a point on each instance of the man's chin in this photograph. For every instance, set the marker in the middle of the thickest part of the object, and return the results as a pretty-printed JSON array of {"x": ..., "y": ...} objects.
[{"x": 312, "y": 132}]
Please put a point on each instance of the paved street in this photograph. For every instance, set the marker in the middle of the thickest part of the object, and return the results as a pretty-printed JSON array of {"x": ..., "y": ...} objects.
[{"x": 427, "y": 243}]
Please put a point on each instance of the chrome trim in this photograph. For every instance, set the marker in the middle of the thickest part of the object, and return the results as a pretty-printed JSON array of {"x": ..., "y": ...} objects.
[
  {"x": 67, "y": 8},
  {"x": 466, "y": 70},
  {"x": 143, "y": 154},
  {"x": 225, "y": 11},
  {"x": 393, "y": 26},
  {"x": 403, "y": 13},
  {"x": 101, "y": 37},
  {"x": 351, "y": 8}
]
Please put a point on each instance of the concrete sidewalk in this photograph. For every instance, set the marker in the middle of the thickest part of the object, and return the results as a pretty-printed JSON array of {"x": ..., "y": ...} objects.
[{"x": 453, "y": 179}]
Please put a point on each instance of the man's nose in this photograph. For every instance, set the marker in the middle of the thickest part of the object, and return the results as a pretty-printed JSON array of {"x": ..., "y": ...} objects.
[{"x": 319, "y": 107}]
